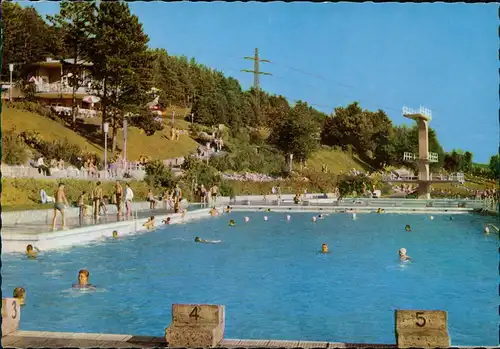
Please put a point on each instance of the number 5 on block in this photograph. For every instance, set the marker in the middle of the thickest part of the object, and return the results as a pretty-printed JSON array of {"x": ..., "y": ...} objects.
[{"x": 421, "y": 328}]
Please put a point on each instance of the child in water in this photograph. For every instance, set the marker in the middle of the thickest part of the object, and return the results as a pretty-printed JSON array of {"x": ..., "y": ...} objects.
[
  {"x": 402, "y": 255},
  {"x": 115, "y": 234},
  {"x": 228, "y": 209},
  {"x": 407, "y": 228},
  {"x": 324, "y": 248},
  {"x": 20, "y": 294},
  {"x": 232, "y": 223},
  {"x": 150, "y": 223},
  {"x": 166, "y": 221},
  {"x": 83, "y": 280},
  {"x": 30, "y": 253}
]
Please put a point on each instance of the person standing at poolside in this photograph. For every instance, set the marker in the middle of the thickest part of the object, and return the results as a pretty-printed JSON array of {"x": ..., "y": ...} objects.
[
  {"x": 119, "y": 197},
  {"x": 203, "y": 194},
  {"x": 96, "y": 199},
  {"x": 129, "y": 196},
  {"x": 177, "y": 194},
  {"x": 214, "y": 191},
  {"x": 60, "y": 201}
]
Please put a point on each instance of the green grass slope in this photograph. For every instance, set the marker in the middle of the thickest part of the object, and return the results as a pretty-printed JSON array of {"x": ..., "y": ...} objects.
[{"x": 157, "y": 146}]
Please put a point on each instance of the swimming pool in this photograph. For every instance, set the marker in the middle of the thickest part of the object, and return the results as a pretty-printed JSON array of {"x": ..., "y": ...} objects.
[{"x": 273, "y": 281}]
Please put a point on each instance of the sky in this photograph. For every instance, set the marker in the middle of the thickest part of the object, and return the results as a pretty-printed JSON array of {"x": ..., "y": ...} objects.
[{"x": 385, "y": 56}]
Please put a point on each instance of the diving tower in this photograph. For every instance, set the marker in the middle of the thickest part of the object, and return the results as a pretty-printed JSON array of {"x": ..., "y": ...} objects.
[{"x": 424, "y": 158}]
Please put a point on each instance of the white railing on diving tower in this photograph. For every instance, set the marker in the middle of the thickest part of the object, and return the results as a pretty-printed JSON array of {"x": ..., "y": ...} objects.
[
  {"x": 432, "y": 157},
  {"x": 422, "y": 111}
]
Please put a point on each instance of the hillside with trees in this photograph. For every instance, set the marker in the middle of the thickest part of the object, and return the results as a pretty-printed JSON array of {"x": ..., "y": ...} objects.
[{"x": 262, "y": 129}]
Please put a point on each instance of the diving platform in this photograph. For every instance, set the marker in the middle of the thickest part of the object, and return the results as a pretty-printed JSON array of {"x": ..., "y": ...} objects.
[{"x": 422, "y": 114}]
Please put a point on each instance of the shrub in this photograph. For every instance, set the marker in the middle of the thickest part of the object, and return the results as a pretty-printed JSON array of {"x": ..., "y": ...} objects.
[
  {"x": 158, "y": 175},
  {"x": 146, "y": 121},
  {"x": 32, "y": 138},
  {"x": 358, "y": 184},
  {"x": 70, "y": 153},
  {"x": 14, "y": 150},
  {"x": 226, "y": 189}
]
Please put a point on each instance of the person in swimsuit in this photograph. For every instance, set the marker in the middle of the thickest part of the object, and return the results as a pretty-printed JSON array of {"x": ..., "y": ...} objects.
[
  {"x": 166, "y": 221},
  {"x": 151, "y": 199},
  {"x": 60, "y": 200},
  {"x": 20, "y": 294},
  {"x": 402, "y": 255},
  {"x": 177, "y": 194},
  {"x": 96, "y": 199},
  {"x": 81, "y": 204},
  {"x": 30, "y": 252},
  {"x": 203, "y": 241},
  {"x": 150, "y": 223},
  {"x": 119, "y": 198},
  {"x": 83, "y": 280},
  {"x": 203, "y": 194},
  {"x": 214, "y": 191},
  {"x": 324, "y": 248},
  {"x": 408, "y": 228}
]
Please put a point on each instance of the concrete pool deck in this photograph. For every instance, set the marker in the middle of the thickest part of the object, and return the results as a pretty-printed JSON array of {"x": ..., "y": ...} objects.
[
  {"x": 39, "y": 339},
  {"x": 15, "y": 237}
]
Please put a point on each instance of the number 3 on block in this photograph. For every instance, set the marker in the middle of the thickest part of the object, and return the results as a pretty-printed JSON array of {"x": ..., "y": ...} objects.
[
  {"x": 420, "y": 319},
  {"x": 194, "y": 313}
]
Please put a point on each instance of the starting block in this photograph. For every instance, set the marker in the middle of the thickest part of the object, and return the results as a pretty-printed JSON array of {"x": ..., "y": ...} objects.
[
  {"x": 421, "y": 329},
  {"x": 196, "y": 325},
  {"x": 11, "y": 314}
]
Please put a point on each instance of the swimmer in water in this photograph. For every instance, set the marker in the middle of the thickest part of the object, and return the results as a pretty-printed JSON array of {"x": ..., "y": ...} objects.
[
  {"x": 228, "y": 209},
  {"x": 402, "y": 255},
  {"x": 288, "y": 217},
  {"x": 115, "y": 234},
  {"x": 314, "y": 219},
  {"x": 19, "y": 294},
  {"x": 265, "y": 218},
  {"x": 380, "y": 210},
  {"x": 407, "y": 228},
  {"x": 166, "y": 221},
  {"x": 150, "y": 223},
  {"x": 83, "y": 280},
  {"x": 203, "y": 241},
  {"x": 213, "y": 212},
  {"x": 324, "y": 248},
  {"x": 232, "y": 223},
  {"x": 30, "y": 252},
  {"x": 268, "y": 210},
  {"x": 320, "y": 216},
  {"x": 247, "y": 219}
]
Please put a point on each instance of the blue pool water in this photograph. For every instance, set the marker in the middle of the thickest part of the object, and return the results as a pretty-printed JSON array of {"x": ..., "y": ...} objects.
[{"x": 272, "y": 279}]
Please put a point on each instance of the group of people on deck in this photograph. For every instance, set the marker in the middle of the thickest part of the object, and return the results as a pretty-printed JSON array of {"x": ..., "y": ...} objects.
[{"x": 97, "y": 199}]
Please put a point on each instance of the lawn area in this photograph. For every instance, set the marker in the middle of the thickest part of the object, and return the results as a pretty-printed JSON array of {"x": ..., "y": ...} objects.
[
  {"x": 157, "y": 146},
  {"x": 50, "y": 130},
  {"x": 336, "y": 160}
]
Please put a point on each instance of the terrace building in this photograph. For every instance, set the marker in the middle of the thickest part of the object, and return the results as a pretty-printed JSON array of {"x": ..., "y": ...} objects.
[{"x": 51, "y": 87}]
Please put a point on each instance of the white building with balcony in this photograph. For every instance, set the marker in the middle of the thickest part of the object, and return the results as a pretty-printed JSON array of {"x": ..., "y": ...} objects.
[{"x": 51, "y": 80}]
